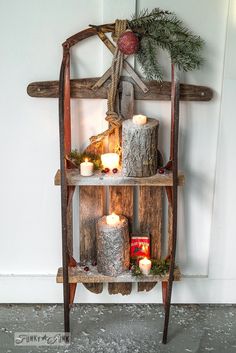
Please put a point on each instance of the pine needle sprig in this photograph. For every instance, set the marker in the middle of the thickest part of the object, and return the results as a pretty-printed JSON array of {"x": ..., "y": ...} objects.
[
  {"x": 162, "y": 29},
  {"x": 77, "y": 158},
  {"x": 147, "y": 57}
]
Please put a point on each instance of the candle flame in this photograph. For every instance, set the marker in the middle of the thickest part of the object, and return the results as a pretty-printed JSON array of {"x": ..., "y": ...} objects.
[{"x": 86, "y": 160}]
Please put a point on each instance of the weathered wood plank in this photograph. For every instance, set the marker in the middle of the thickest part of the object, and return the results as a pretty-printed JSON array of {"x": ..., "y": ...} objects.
[
  {"x": 78, "y": 275},
  {"x": 91, "y": 208},
  {"x": 121, "y": 202},
  {"x": 127, "y": 99},
  {"x": 98, "y": 179},
  {"x": 151, "y": 222},
  {"x": 83, "y": 88},
  {"x": 121, "y": 198}
]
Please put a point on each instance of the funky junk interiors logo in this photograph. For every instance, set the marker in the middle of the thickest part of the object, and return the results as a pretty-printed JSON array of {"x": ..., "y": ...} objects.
[{"x": 41, "y": 338}]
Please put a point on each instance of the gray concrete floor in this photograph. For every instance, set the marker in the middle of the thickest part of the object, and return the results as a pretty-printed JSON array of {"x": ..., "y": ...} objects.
[{"x": 123, "y": 328}]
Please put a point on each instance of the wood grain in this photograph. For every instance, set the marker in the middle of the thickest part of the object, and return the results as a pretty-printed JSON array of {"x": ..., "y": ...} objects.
[
  {"x": 151, "y": 198},
  {"x": 91, "y": 208},
  {"x": 121, "y": 198},
  {"x": 83, "y": 88},
  {"x": 98, "y": 179}
]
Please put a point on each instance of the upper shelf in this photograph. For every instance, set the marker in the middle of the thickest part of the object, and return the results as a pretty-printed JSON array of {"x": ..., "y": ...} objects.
[
  {"x": 82, "y": 88},
  {"x": 74, "y": 178}
]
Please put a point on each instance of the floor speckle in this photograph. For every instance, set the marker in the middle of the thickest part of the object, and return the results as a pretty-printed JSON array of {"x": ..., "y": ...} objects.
[{"x": 129, "y": 328}]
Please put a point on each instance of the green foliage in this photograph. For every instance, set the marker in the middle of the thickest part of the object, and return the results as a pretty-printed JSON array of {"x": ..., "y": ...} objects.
[
  {"x": 77, "y": 158},
  {"x": 159, "y": 268},
  {"x": 162, "y": 29}
]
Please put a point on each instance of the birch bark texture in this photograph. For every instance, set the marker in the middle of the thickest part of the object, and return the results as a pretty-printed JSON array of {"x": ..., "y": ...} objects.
[
  {"x": 113, "y": 247},
  {"x": 140, "y": 148}
]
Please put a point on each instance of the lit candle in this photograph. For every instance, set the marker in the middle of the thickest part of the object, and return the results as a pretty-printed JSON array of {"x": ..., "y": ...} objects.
[
  {"x": 145, "y": 266},
  {"x": 112, "y": 219},
  {"x": 86, "y": 168},
  {"x": 110, "y": 160},
  {"x": 139, "y": 119}
]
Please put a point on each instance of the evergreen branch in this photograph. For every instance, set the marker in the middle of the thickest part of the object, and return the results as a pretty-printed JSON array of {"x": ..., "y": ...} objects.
[
  {"x": 162, "y": 29},
  {"x": 147, "y": 57}
]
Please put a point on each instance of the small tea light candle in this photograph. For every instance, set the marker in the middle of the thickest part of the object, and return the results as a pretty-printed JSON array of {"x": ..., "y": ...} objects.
[
  {"x": 139, "y": 119},
  {"x": 86, "y": 168},
  {"x": 145, "y": 266},
  {"x": 110, "y": 160},
  {"x": 112, "y": 219}
]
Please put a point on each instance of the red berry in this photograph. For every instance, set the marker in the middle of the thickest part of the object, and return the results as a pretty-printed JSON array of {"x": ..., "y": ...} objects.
[
  {"x": 94, "y": 263},
  {"x": 128, "y": 43},
  {"x": 115, "y": 170},
  {"x": 161, "y": 170},
  {"x": 106, "y": 170},
  {"x": 86, "y": 268}
]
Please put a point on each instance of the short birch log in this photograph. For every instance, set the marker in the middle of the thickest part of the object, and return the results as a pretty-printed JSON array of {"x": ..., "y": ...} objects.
[
  {"x": 140, "y": 148},
  {"x": 113, "y": 247}
]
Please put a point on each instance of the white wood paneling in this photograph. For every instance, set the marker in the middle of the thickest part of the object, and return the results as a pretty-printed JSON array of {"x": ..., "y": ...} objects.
[{"x": 223, "y": 241}]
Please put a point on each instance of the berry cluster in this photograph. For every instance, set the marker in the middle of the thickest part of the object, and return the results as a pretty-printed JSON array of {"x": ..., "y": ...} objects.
[{"x": 107, "y": 170}]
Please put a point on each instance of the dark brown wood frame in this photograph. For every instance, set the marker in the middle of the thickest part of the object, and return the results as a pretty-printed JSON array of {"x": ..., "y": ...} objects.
[{"x": 65, "y": 90}]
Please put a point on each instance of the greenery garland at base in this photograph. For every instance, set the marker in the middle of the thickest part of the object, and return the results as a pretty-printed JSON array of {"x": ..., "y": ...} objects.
[
  {"x": 163, "y": 30},
  {"x": 159, "y": 268}
]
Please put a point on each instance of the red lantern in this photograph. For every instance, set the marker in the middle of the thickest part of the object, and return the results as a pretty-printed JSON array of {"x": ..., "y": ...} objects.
[{"x": 128, "y": 43}]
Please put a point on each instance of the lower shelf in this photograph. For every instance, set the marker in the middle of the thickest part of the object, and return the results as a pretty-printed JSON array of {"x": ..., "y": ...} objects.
[{"x": 78, "y": 275}]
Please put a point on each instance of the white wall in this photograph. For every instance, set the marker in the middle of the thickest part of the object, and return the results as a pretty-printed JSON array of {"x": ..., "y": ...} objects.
[{"x": 30, "y": 252}]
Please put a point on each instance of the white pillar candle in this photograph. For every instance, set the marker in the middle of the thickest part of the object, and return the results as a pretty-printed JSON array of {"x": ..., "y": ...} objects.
[
  {"x": 86, "y": 168},
  {"x": 112, "y": 219},
  {"x": 145, "y": 266},
  {"x": 139, "y": 119},
  {"x": 110, "y": 160}
]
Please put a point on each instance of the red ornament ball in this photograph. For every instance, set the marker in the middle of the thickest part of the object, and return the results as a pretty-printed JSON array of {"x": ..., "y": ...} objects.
[{"x": 128, "y": 43}]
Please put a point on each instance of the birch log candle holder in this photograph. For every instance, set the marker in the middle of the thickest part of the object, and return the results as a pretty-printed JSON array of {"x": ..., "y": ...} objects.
[
  {"x": 140, "y": 148},
  {"x": 113, "y": 247}
]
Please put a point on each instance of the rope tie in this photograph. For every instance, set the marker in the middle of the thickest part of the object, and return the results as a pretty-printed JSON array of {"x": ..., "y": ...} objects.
[{"x": 114, "y": 119}]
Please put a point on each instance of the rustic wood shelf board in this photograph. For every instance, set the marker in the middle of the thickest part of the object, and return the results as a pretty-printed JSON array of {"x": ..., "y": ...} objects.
[
  {"x": 78, "y": 275},
  {"x": 82, "y": 88},
  {"x": 98, "y": 179}
]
